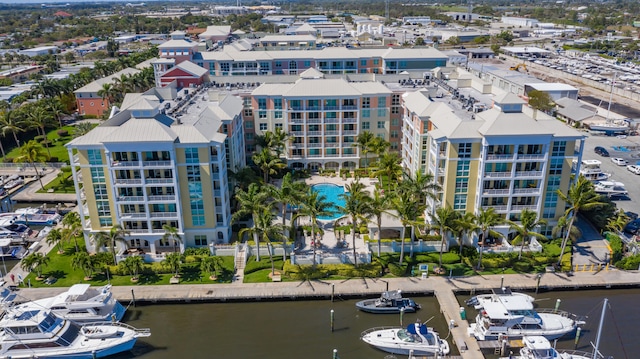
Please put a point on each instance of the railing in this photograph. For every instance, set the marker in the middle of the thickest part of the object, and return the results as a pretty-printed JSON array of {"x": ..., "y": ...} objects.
[
  {"x": 332, "y": 155},
  {"x": 297, "y": 133},
  {"x": 331, "y": 145},
  {"x": 525, "y": 190},
  {"x": 331, "y": 108},
  {"x": 159, "y": 180},
  {"x": 331, "y": 133},
  {"x": 164, "y": 214},
  {"x": 142, "y": 332},
  {"x": 495, "y": 191},
  {"x": 314, "y": 133},
  {"x": 162, "y": 198},
  {"x": 497, "y": 174},
  {"x": 314, "y": 156},
  {"x": 133, "y": 215},
  {"x": 349, "y": 120},
  {"x": 531, "y": 157},
  {"x": 330, "y": 120},
  {"x": 349, "y": 132},
  {"x": 76, "y": 158},
  {"x": 125, "y": 164},
  {"x": 520, "y": 207},
  {"x": 496, "y": 207},
  {"x": 297, "y": 120},
  {"x": 130, "y": 198},
  {"x": 138, "y": 230},
  {"x": 156, "y": 163},
  {"x": 312, "y": 108},
  {"x": 349, "y": 107},
  {"x": 528, "y": 173},
  {"x": 128, "y": 181},
  {"x": 314, "y": 120},
  {"x": 314, "y": 145},
  {"x": 500, "y": 157}
]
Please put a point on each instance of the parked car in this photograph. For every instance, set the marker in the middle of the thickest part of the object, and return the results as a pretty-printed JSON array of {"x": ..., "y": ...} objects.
[
  {"x": 632, "y": 215},
  {"x": 634, "y": 169},
  {"x": 601, "y": 151},
  {"x": 632, "y": 227},
  {"x": 619, "y": 161}
]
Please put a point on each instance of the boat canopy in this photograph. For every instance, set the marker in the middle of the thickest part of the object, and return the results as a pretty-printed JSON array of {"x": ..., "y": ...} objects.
[
  {"x": 418, "y": 328},
  {"x": 78, "y": 289}
]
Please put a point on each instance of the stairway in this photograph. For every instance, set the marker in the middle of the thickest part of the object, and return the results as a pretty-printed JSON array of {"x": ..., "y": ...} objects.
[{"x": 240, "y": 262}]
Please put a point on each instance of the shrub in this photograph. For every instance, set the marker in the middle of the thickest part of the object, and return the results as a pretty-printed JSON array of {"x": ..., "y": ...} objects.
[
  {"x": 192, "y": 259},
  {"x": 54, "y": 159},
  {"x": 158, "y": 267},
  {"x": 616, "y": 247},
  {"x": 39, "y": 138},
  {"x": 65, "y": 169},
  {"x": 450, "y": 258},
  {"x": 522, "y": 266},
  {"x": 397, "y": 269},
  {"x": 629, "y": 263},
  {"x": 62, "y": 133},
  {"x": 196, "y": 251}
]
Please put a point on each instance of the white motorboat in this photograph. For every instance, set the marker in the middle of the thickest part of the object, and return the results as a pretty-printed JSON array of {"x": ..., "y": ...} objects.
[
  {"x": 389, "y": 302},
  {"x": 35, "y": 216},
  {"x": 9, "y": 250},
  {"x": 478, "y": 301},
  {"x": 513, "y": 316},
  {"x": 537, "y": 347},
  {"x": 417, "y": 338},
  {"x": 14, "y": 183},
  {"x": 592, "y": 171},
  {"x": 40, "y": 334},
  {"x": 610, "y": 126},
  {"x": 80, "y": 303},
  {"x": 610, "y": 188}
]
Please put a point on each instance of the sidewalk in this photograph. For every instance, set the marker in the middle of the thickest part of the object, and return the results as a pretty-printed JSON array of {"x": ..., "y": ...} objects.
[{"x": 29, "y": 193}]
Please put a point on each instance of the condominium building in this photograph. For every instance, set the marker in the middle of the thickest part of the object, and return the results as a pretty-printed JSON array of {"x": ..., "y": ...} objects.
[
  {"x": 89, "y": 102},
  {"x": 324, "y": 117},
  {"x": 143, "y": 169},
  {"x": 507, "y": 158}
]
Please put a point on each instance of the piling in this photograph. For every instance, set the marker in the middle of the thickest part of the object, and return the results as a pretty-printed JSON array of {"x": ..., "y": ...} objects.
[
  {"x": 332, "y": 320},
  {"x": 133, "y": 298}
]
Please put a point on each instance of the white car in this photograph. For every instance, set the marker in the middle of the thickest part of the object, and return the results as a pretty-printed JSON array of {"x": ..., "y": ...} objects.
[
  {"x": 634, "y": 169},
  {"x": 619, "y": 161}
]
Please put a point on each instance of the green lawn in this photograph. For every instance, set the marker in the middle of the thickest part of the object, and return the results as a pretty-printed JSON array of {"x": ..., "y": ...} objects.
[
  {"x": 58, "y": 187},
  {"x": 56, "y": 147}
]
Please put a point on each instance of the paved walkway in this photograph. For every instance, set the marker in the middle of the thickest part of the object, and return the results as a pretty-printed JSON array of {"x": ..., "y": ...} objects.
[{"x": 30, "y": 192}]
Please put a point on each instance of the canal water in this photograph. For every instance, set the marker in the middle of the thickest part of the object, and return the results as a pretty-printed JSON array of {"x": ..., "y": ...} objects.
[{"x": 302, "y": 329}]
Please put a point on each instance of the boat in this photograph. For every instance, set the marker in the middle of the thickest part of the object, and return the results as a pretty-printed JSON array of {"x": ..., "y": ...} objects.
[
  {"x": 513, "y": 316},
  {"x": 591, "y": 170},
  {"x": 610, "y": 126},
  {"x": 389, "y": 302},
  {"x": 36, "y": 217},
  {"x": 80, "y": 303},
  {"x": 417, "y": 339},
  {"x": 478, "y": 301},
  {"x": 14, "y": 183},
  {"x": 40, "y": 334},
  {"x": 7, "y": 250},
  {"x": 537, "y": 347},
  {"x": 610, "y": 188}
]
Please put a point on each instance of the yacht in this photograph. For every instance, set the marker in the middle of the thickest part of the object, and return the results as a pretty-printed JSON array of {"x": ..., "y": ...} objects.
[
  {"x": 8, "y": 250},
  {"x": 513, "y": 316},
  {"x": 592, "y": 171},
  {"x": 389, "y": 302},
  {"x": 537, "y": 347},
  {"x": 80, "y": 303},
  {"x": 478, "y": 301},
  {"x": 610, "y": 188},
  {"x": 417, "y": 338},
  {"x": 35, "y": 216},
  {"x": 40, "y": 334}
]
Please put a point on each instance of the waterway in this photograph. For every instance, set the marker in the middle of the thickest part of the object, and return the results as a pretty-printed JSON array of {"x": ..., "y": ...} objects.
[{"x": 302, "y": 329}]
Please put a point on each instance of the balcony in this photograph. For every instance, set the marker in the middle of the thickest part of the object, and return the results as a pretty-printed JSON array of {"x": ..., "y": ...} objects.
[
  {"x": 504, "y": 157},
  {"x": 125, "y": 164},
  {"x": 297, "y": 120},
  {"x": 349, "y": 132},
  {"x": 331, "y": 133},
  {"x": 295, "y": 108},
  {"x": 312, "y": 108},
  {"x": 528, "y": 173},
  {"x": 157, "y": 163},
  {"x": 314, "y": 120},
  {"x": 349, "y": 108},
  {"x": 296, "y": 133},
  {"x": 159, "y": 180},
  {"x": 526, "y": 190},
  {"x": 531, "y": 157},
  {"x": 331, "y": 145},
  {"x": 130, "y": 198},
  {"x": 495, "y": 192},
  {"x": 137, "y": 230},
  {"x": 497, "y": 208},
  {"x": 127, "y": 181},
  {"x": 162, "y": 198},
  {"x": 314, "y": 156},
  {"x": 133, "y": 215},
  {"x": 314, "y": 145},
  {"x": 349, "y": 120},
  {"x": 520, "y": 207},
  {"x": 498, "y": 174},
  {"x": 314, "y": 133},
  {"x": 330, "y": 120},
  {"x": 164, "y": 215},
  {"x": 332, "y": 155},
  {"x": 331, "y": 108}
]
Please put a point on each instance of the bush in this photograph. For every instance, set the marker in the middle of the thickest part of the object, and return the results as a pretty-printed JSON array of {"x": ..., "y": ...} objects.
[
  {"x": 196, "y": 251},
  {"x": 192, "y": 259},
  {"x": 62, "y": 133},
  {"x": 397, "y": 269},
  {"x": 264, "y": 263},
  {"x": 629, "y": 263},
  {"x": 522, "y": 266},
  {"x": 39, "y": 138},
  {"x": 54, "y": 159}
]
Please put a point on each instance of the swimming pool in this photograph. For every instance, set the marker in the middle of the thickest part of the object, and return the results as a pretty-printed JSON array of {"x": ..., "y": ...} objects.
[{"x": 332, "y": 193}]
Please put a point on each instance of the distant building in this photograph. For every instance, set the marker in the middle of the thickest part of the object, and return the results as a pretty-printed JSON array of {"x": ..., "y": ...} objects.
[
  {"x": 62, "y": 14},
  {"x": 87, "y": 99},
  {"x": 185, "y": 74},
  {"x": 414, "y": 20},
  {"x": 555, "y": 90},
  {"x": 216, "y": 33},
  {"x": 519, "y": 21},
  {"x": 20, "y": 73},
  {"x": 39, "y": 51}
]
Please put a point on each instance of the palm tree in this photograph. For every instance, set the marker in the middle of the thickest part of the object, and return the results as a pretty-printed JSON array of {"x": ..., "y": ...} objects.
[
  {"x": 355, "y": 205},
  {"x": 133, "y": 265},
  {"x": 617, "y": 223},
  {"x": 56, "y": 109},
  {"x": 173, "y": 261},
  {"x": 445, "y": 219},
  {"x": 363, "y": 142},
  {"x": 11, "y": 124},
  {"x": 408, "y": 209},
  {"x": 172, "y": 234},
  {"x": 580, "y": 197},
  {"x": 39, "y": 119},
  {"x": 525, "y": 230},
  {"x": 55, "y": 238},
  {"x": 487, "y": 219},
  {"x": 274, "y": 141},
  {"x": 420, "y": 185},
  {"x": 34, "y": 262},
  {"x": 252, "y": 202},
  {"x": 108, "y": 92},
  {"x": 82, "y": 129},
  {"x": 389, "y": 165},
  {"x": 211, "y": 264},
  {"x": 32, "y": 152},
  {"x": 266, "y": 230},
  {"x": 71, "y": 222},
  {"x": 290, "y": 193},
  {"x": 110, "y": 240},
  {"x": 268, "y": 163},
  {"x": 379, "y": 146},
  {"x": 465, "y": 225},
  {"x": 314, "y": 205},
  {"x": 560, "y": 229},
  {"x": 377, "y": 207},
  {"x": 85, "y": 262}
]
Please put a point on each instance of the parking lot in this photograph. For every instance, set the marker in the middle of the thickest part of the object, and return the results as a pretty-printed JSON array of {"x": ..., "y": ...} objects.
[{"x": 618, "y": 173}]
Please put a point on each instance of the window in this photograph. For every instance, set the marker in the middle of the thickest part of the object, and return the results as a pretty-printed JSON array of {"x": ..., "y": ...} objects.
[
  {"x": 460, "y": 202},
  {"x": 277, "y": 103},
  {"x": 263, "y": 126},
  {"x": 553, "y": 183},
  {"x": 277, "y": 115},
  {"x": 366, "y": 113},
  {"x": 97, "y": 175},
  {"x": 366, "y": 125},
  {"x": 394, "y": 134},
  {"x": 376, "y": 61},
  {"x": 307, "y": 64},
  {"x": 363, "y": 62},
  {"x": 249, "y": 136},
  {"x": 94, "y": 157},
  {"x": 191, "y": 155},
  {"x": 382, "y": 112},
  {"x": 463, "y": 168},
  {"x": 262, "y": 114},
  {"x": 380, "y": 124},
  {"x": 462, "y": 185},
  {"x": 278, "y": 126},
  {"x": 366, "y": 102},
  {"x": 555, "y": 167},
  {"x": 200, "y": 240},
  {"x": 106, "y": 222},
  {"x": 248, "y": 125},
  {"x": 382, "y": 102},
  {"x": 559, "y": 148},
  {"x": 464, "y": 150},
  {"x": 395, "y": 122},
  {"x": 195, "y": 195}
]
